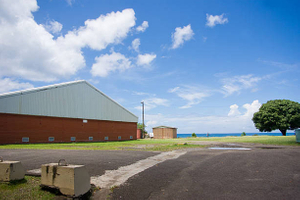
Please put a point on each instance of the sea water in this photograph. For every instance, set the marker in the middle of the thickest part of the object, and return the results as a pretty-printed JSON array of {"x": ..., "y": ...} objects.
[{"x": 185, "y": 135}]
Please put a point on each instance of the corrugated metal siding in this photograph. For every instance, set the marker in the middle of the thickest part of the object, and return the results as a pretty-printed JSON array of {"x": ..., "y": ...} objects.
[{"x": 78, "y": 100}]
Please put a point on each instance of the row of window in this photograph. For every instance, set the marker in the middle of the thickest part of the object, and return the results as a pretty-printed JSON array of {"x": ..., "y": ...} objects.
[{"x": 73, "y": 139}]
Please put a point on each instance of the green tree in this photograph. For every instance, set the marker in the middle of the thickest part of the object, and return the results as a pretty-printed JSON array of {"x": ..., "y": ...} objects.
[
  {"x": 140, "y": 126},
  {"x": 194, "y": 135},
  {"x": 277, "y": 114},
  {"x": 243, "y": 134}
]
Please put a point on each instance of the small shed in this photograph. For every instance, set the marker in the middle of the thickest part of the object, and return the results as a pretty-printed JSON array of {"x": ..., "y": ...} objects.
[{"x": 164, "y": 132}]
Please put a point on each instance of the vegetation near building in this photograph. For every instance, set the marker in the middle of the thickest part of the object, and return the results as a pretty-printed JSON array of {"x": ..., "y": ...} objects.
[
  {"x": 278, "y": 114},
  {"x": 141, "y": 126}
]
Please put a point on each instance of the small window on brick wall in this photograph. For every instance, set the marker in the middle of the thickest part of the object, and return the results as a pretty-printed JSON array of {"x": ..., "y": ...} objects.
[
  {"x": 50, "y": 139},
  {"x": 25, "y": 139},
  {"x": 73, "y": 139},
  {"x": 106, "y": 138},
  {"x": 131, "y": 137},
  {"x": 119, "y": 137},
  {"x": 91, "y": 138}
]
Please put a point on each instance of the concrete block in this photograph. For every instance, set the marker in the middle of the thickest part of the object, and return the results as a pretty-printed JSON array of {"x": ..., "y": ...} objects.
[
  {"x": 71, "y": 180},
  {"x": 11, "y": 170}
]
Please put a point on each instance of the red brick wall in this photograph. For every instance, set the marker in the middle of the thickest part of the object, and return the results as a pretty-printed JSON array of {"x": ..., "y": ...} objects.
[
  {"x": 38, "y": 128},
  {"x": 138, "y": 133}
]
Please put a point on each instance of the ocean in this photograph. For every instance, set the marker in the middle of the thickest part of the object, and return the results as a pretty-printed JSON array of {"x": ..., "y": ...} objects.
[{"x": 185, "y": 135}]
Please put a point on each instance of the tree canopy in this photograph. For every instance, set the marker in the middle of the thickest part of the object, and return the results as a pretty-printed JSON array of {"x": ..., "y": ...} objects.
[{"x": 279, "y": 114}]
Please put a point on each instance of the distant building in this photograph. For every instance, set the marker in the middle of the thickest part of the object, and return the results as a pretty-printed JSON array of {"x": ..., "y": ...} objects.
[
  {"x": 164, "y": 132},
  {"x": 67, "y": 112}
]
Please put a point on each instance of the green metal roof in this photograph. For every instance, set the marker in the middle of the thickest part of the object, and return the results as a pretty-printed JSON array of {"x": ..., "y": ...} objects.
[{"x": 163, "y": 127}]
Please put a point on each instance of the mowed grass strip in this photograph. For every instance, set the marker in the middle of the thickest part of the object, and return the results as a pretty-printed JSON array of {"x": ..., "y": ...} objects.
[
  {"x": 157, "y": 144},
  {"x": 268, "y": 140},
  {"x": 28, "y": 188},
  {"x": 133, "y": 145}
]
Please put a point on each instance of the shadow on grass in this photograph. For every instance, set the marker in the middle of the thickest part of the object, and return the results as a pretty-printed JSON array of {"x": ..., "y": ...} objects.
[{"x": 16, "y": 182}]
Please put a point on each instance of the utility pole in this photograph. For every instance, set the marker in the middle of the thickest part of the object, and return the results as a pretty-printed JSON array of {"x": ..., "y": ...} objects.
[{"x": 143, "y": 116}]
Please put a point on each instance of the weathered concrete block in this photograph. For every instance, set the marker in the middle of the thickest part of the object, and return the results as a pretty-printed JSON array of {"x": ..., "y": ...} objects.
[
  {"x": 71, "y": 180},
  {"x": 11, "y": 170}
]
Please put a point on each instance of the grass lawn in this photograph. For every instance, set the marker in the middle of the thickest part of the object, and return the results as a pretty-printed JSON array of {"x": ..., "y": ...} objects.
[
  {"x": 28, "y": 188},
  {"x": 157, "y": 144},
  {"x": 270, "y": 140}
]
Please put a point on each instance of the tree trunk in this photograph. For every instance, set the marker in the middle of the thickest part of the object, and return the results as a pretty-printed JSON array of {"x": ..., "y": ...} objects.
[{"x": 283, "y": 132}]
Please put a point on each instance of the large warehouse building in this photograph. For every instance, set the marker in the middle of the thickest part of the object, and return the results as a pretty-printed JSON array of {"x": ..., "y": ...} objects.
[{"x": 68, "y": 112}]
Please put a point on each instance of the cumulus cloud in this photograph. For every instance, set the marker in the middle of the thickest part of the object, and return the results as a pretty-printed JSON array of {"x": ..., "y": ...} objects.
[
  {"x": 99, "y": 33},
  {"x": 143, "y": 27},
  {"x": 145, "y": 59},
  {"x": 213, "y": 124},
  {"x": 136, "y": 44},
  {"x": 29, "y": 51},
  {"x": 53, "y": 26},
  {"x": 8, "y": 84},
  {"x": 235, "y": 84},
  {"x": 191, "y": 94},
  {"x": 234, "y": 110},
  {"x": 109, "y": 63},
  {"x": 214, "y": 20},
  {"x": 251, "y": 108},
  {"x": 181, "y": 35}
]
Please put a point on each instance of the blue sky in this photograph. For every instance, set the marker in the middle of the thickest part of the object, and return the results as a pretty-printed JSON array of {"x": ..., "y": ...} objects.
[{"x": 200, "y": 66}]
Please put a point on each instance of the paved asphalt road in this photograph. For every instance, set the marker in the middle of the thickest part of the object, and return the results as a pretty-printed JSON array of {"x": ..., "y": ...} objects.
[
  {"x": 95, "y": 161},
  {"x": 218, "y": 174},
  {"x": 199, "y": 174}
]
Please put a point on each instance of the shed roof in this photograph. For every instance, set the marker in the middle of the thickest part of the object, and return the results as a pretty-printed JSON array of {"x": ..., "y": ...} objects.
[{"x": 163, "y": 127}]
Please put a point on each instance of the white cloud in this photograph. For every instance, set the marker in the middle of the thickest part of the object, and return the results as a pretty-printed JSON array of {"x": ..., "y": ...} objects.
[
  {"x": 234, "y": 110},
  {"x": 237, "y": 123},
  {"x": 142, "y": 94},
  {"x": 181, "y": 35},
  {"x": 172, "y": 90},
  {"x": 12, "y": 12},
  {"x": 143, "y": 27},
  {"x": 214, "y": 20},
  {"x": 237, "y": 83},
  {"x": 99, "y": 33},
  {"x": 8, "y": 84},
  {"x": 29, "y": 51},
  {"x": 204, "y": 39},
  {"x": 109, "y": 63},
  {"x": 53, "y": 27},
  {"x": 70, "y": 2},
  {"x": 145, "y": 59},
  {"x": 281, "y": 65},
  {"x": 251, "y": 108},
  {"x": 191, "y": 94},
  {"x": 153, "y": 102},
  {"x": 136, "y": 44}
]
